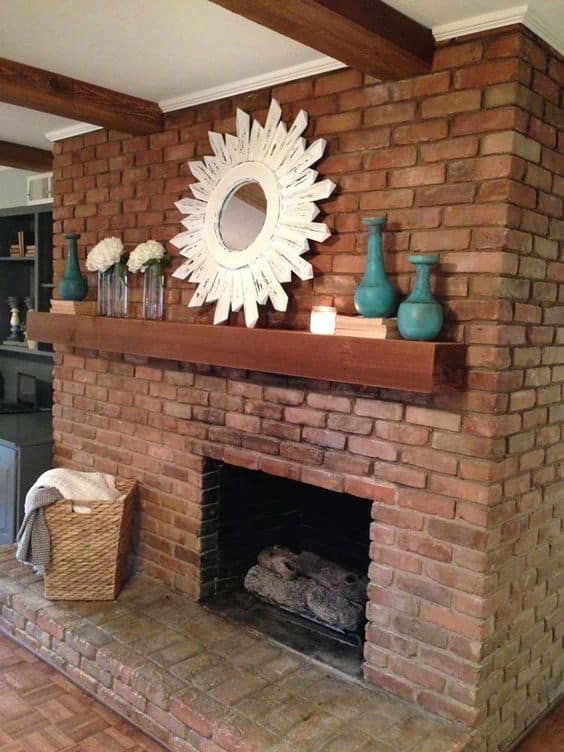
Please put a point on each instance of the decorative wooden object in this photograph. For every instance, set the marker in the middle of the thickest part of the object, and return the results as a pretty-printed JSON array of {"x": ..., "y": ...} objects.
[
  {"x": 275, "y": 163},
  {"x": 394, "y": 364},
  {"x": 371, "y": 37},
  {"x": 25, "y": 157},
  {"x": 45, "y": 91},
  {"x": 74, "y": 307}
]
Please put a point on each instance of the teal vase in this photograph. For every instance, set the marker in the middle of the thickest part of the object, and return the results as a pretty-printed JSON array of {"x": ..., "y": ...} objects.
[
  {"x": 375, "y": 296},
  {"x": 420, "y": 316},
  {"x": 73, "y": 285}
]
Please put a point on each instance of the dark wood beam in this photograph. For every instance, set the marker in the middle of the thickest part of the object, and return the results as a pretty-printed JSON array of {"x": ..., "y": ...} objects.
[
  {"x": 45, "y": 91},
  {"x": 391, "y": 363},
  {"x": 368, "y": 35},
  {"x": 25, "y": 157}
]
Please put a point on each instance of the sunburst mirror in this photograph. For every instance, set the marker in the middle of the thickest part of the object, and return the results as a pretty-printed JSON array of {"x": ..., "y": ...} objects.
[{"x": 252, "y": 215}]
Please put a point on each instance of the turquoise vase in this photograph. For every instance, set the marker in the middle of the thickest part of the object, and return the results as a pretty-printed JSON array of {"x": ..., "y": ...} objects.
[
  {"x": 73, "y": 285},
  {"x": 375, "y": 296},
  {"x": 420, "y": 316}
]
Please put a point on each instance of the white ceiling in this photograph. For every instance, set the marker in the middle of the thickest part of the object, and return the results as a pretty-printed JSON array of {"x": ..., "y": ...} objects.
[
  {"x": 439, "y": 12},
  {"x": 154, "y": 49},
  {"x": 22, "y": 126},
  {"x": 449, "y": 18},
  {"x": 180, "y": 51}
]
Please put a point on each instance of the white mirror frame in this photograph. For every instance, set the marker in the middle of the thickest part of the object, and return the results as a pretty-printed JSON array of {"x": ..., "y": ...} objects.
[{"x": 277, "y": 159}]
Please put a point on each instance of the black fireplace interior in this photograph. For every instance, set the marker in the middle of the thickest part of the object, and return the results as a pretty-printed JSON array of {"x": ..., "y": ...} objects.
[{"x": 256, "y": 510}]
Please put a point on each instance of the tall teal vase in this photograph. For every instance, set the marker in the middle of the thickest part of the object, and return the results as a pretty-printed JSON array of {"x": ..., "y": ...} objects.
[
  {"x": 375, "y": 296},
  {"x": 420, "y": 316},
  {"x": 73, "y": 285}
]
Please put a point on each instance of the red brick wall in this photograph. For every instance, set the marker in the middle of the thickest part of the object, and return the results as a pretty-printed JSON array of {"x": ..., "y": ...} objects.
[
  {"x": 465, "y": 609},
  {"x": 523, "y": 656}
]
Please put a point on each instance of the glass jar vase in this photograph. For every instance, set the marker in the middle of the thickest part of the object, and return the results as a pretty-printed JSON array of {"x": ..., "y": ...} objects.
[
  {"x": 117, "y": 294},
  {"x": 103, "y": 293},
  {"x": 153, "y": 293}
]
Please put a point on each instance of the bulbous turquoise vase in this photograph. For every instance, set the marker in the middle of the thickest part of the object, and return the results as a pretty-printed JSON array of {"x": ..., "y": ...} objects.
[
  {"x": 420, "y": 316},
  {"x": 73, "y": 285},
  {"x": 375, "y": 296}
]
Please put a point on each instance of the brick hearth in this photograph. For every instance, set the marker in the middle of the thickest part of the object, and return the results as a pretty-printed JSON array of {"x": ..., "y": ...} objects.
[
  {"x": 196, "y": 682},
  {"x": 465, "y": 609}
]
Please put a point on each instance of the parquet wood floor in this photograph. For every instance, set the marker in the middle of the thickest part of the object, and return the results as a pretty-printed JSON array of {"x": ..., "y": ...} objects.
[
  {"x": 549, "y": 734},
  {"x": 41, "y": 711}
]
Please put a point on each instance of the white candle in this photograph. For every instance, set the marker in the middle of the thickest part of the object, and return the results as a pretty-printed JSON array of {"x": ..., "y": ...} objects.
[{"x": 323, "y": 320}]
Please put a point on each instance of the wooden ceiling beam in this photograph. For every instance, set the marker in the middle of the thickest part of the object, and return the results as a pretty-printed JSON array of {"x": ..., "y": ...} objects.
[
  {"x": 367, "y": 35},
  {"x": 25, "y": 157},
  {"x": 45, "y": 91}
]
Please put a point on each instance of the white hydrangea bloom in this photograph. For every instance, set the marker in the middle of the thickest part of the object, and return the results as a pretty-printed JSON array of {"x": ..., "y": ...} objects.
[
  {"x": 104, "y": 255},
  {"x": 144, "y": 253}
]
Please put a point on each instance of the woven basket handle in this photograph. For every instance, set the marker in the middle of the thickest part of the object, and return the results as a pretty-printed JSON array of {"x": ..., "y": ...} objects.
[{"x": 81, "y": 509}]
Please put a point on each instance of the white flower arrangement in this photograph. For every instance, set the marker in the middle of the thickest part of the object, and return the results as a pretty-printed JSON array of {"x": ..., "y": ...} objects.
[
  {"x": 104, "y": 255},
  {"x": 148, "y": 254}
]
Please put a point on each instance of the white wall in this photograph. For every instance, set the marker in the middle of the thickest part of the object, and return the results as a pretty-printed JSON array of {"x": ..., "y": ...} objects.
[{"x": 13, "y": 187}]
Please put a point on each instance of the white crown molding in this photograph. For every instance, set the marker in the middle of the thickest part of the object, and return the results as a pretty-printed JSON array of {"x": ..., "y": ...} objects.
[
  {"x": 71, "y": 130},
  {"x": 470, "y": 25},
  {"x": 552, "y": 36},
  {"x": 243, "y": 85},
  {"x": 4, "y": 167},
  {"x": 522, "y": 14},
  {"x": 482, "y": 22}
]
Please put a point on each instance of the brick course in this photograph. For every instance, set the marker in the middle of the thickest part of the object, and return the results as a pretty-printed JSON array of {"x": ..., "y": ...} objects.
[{"x": 466, "y": 577}]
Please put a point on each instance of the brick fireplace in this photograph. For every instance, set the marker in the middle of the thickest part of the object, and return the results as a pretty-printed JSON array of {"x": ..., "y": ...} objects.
[{"x": 465, "y": 486}]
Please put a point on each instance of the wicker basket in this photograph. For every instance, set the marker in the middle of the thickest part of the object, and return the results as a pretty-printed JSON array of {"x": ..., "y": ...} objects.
[{"x": 89, "y": 551}]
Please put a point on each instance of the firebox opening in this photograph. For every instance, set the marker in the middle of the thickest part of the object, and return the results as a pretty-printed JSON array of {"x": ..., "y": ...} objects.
[{"x": 313, "y": 597}]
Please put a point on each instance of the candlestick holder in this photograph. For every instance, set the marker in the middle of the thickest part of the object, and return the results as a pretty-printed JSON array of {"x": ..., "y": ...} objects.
[
  {"x": 322, "y": 320},
  {"x": 29, "y": 305},
  {"x": 16, "y": 333}
]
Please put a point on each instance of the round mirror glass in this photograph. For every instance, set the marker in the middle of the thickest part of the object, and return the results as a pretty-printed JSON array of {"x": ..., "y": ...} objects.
[{"x": 242, "y": 216}]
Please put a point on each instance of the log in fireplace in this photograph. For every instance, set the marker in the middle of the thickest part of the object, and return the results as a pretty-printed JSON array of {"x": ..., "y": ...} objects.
[{"x": 256, "y": 513}]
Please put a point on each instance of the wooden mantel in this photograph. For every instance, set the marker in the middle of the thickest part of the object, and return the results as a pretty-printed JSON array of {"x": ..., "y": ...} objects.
[{"x": 394, "y": 363}]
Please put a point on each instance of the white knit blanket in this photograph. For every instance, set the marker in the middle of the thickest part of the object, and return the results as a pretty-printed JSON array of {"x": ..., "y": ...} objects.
[
  {"x": 34, "y": 542},
  {"x": 73, "y": 484}
]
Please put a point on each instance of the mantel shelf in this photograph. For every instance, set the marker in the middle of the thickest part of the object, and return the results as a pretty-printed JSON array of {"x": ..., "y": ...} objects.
[{"x": 393, "y": 364}]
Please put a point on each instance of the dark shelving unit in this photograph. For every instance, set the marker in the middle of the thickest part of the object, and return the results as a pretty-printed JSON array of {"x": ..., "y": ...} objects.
[{"x": 25, "y": 276}]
